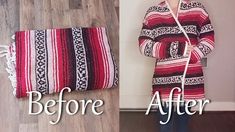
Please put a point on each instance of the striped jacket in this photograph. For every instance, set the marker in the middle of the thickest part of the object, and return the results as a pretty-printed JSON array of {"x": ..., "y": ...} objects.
[{"x": 162, "y": 39}]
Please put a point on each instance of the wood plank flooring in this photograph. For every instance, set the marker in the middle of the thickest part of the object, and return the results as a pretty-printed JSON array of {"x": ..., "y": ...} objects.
[{"x": 208, "y": 122}]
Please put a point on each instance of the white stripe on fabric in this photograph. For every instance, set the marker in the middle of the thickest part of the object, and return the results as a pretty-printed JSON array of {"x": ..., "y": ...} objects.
[
  {"x": 26, "y": 61},
  {"x": 104, "y": 57},
  {"x": 205, "y": 42},
  {"x": 154, "y": 50},
  {"x": 50, "y": 61},
  {"x": 110, "y": 58},
  {"x": 29, "y": 61},
  {"x": 33, "y": 75},
  {"x": 56, "y": 63},
  {"x": 170, "y": 62}
]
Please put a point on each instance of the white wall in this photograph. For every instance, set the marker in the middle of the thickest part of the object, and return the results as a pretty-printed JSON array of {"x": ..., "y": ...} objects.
[{"x": 136, "y": 70}]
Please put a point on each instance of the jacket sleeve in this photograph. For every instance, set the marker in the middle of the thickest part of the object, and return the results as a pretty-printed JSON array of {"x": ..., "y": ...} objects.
[
  {"x": 147, "y": 44},
  {"x": 205, "y": 38}
]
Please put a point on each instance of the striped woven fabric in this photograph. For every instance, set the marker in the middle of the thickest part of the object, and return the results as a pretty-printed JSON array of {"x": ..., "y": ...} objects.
[
  {"x": 49, "y": 60},
  {"x": 161, "y": 38}
]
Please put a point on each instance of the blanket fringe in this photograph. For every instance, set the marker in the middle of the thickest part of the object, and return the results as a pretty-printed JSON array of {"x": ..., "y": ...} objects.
[{"x": 10, "y": 54}]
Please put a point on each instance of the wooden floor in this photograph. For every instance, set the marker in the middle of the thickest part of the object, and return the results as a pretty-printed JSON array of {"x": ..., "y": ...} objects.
[
  {"x": 208, "y": 122},
  {"x": 41, "y": 14}
]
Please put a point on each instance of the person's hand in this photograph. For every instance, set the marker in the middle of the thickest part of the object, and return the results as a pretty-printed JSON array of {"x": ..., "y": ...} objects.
[{"x": 189, "y": 49}]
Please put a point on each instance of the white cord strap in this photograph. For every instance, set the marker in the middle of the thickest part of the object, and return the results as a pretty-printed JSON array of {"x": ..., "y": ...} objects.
[
  {"x": 186, "y": 45},
  {"x": 177, "y": 21}
]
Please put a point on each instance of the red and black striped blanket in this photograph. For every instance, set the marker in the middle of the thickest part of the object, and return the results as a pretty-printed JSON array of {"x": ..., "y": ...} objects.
[{"x": 49, "y": 60}]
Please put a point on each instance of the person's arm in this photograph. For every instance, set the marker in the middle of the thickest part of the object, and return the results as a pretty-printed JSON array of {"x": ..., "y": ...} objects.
[
  {"x": 205, "y": 38},
  {"x": 149, "y": 45}
]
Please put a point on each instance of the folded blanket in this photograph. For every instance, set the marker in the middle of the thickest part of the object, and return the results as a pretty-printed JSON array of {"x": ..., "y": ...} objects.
[{"x": 49, "y": 60}]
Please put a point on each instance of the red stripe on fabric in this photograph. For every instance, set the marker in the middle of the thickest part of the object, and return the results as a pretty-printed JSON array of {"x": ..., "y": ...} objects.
[
  {"x": 26, "y": 61},
  {"x": 210, "y": 37},
  {"x": 102, "y": 66},
  {"x": 63, "y": 55},
  {"x": 181, "y": 39},
  {"x": 103, "y": 56},
  {"x": 65, "y": 59},
  {"x": 167, "y": 70},
  {"x": 162, "y": 51},
  {"x": 163, "y": 71},
  {"x": 141, "y": 41},
  {"x": 155, "y": 19},
  {"x": 18, "y": 64},
  {"x": 22, "y": 66},
  {"x": 56, "y": 64},
  {"x": 98, "y": 44},
  {"x": 97, "y": 58},
  {"x": 194, "y": 91},
  {"x": 194, "y": 70},
  {"x": 60, "y": 59},
  {"x": 52, "y": 59},
  {"x": 56, "y": 69},
  {"x": 94, "y": 57}
]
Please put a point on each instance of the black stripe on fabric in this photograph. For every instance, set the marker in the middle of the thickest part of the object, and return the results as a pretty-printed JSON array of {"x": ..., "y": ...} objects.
[
  {"x": 206, "y": 21},
  {"x": 47, "y": 88},
  {"x": 184, "y": 23},
  {"x": 156, "y": 75},
  {"x": 97, "y": 60},
  {"x": 174, "y": 36},
  {"x": 89, "y": 58},
  {"x": 168, "y": 55},
  {"x": 188, "y": 75},
  {"x": 206, "y": 34},
  {"x": 172, "y": 85},
  {"x": 191, "y": 5},
  {"x": 71, "y": 59},
  {"x": 145, "y": 37},
  {"x": 41, "y": 63},
  {"x": 181, "y": 49},
  {"x": 146, "y": 27}
]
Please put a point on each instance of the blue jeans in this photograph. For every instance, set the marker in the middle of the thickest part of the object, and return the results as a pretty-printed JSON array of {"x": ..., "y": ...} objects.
[{"x": 179, "y": 123}]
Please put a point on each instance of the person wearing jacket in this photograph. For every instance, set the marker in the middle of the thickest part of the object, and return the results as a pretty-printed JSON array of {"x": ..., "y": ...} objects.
[{"x": 178, "y": 34}]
